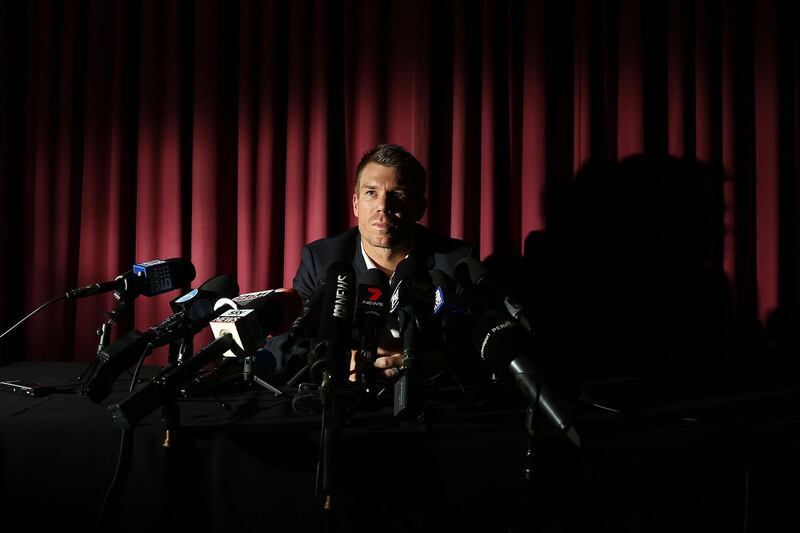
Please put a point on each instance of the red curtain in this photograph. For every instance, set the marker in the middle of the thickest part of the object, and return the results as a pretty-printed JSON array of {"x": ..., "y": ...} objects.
[{"x": 228, "y": 132}]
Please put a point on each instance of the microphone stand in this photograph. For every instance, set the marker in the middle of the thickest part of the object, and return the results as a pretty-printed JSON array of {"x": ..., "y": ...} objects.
[
  {"x": 408, "y": 389},
  {"x": 124, "y": 300},
  {"x": 530, "y": 499},
  {"x": 170, "y": 420},
  {"x": 180, "y": 350},
  {"x": 329, "y": 442},
  {"x": 104, "y": 332},
  {"x": 250, "y": 377},
  {"x": 170, "y": 423}
]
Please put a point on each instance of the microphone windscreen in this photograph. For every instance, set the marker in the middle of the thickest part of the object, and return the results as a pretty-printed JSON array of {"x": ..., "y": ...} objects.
[
  {"x": 182, "y": 270},
  {"x": 309, "y": 315},
  {"x": 469, "y": 271},
  {"x": 223, "y": 285},
  {"x": 373, "y": 277},
  {"x": 499, "y": 340},
  {"x": 335, "y": 322},
  {"x": 406, "y": 269},
  {"x": 502, "y": 343},
  {"x": 445, "y": 300},
  {"x": 201, "y": 302},
  {"x": 276, "y": 310},
  {"x": 373, "y": 292},
  {"x": 160, "y": 276},
  {"x": 440, "y": 279},
  {"x": 257, "y": 317}
]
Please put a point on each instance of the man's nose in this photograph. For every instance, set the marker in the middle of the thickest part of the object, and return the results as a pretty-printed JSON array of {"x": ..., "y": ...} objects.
[{"x": 380, "y": 203}]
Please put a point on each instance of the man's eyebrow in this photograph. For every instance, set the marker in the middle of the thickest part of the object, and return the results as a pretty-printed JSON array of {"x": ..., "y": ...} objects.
[{"x": 397, "y": 188}]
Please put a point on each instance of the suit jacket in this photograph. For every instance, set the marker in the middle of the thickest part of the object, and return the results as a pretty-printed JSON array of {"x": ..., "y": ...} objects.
[{"x": 430, "y": 252}]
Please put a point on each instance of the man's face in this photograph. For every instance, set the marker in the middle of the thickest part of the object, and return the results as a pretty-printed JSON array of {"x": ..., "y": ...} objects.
[{"x": 386, "y": 207}]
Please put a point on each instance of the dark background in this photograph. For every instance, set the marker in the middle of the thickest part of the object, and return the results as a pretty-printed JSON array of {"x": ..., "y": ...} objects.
[
  {"x": 227, "y": 133},
  {"x": 629, "y": 169}
]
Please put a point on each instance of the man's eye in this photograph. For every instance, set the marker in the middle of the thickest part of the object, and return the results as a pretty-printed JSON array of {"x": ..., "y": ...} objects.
[{"x": 371, "y": 193}]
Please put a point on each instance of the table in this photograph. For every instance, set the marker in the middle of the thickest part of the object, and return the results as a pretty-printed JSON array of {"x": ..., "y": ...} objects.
[{"x": 703, "y": 465}]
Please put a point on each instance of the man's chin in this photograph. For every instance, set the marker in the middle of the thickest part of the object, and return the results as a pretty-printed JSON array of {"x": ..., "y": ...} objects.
[
  {"x": 389, "y": 238},
  {"x": 385, "y": 241}
]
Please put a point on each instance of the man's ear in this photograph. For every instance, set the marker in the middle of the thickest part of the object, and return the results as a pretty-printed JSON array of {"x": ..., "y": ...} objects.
[{"x": 355, "y": 205}]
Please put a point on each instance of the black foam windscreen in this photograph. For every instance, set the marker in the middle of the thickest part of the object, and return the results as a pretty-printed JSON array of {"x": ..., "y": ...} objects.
[
  {"x": 503, "y": 344},
  {"x": 406, "y": 269},
  {"x": 335, "y": 322},
  {"x": 223, "y": 285},
  {"x": 373, "y": 277},
  {"x": 441, "y": 279},
  {"x": 276, "y": 310},
  {"x": 499, "y": 340},
  {"x": 471, "y": 269}
]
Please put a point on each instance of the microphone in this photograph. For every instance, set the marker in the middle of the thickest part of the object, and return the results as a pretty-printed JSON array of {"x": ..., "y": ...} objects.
[
  {"x": 501, "y": 343},
  {"x": 409, "y": 295},
  {"x": 450, "y": 312},
  {"x": 239, "y": 332},
  {"x": 330, "y": 357},
  {"x": 472, "y": 273},
  {"x": 310, "y": 315},
  {"x": 197, "y": 304},
  {"x": 146, "y": 398},
  {"x": 373, "y": 288},
  {"x": 149, "y": 279},
  {"x": 120, "y": 355},
  {"x": 445, "y": 299},
  {"x": 259, "y": 315}
]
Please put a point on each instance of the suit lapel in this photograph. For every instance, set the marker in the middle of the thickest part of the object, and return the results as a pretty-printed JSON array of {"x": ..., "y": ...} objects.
[{"x": 358, "y": 257}]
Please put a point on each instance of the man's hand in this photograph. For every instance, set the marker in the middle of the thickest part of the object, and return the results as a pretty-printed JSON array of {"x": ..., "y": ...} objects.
[{"x": 389, "y": 360}]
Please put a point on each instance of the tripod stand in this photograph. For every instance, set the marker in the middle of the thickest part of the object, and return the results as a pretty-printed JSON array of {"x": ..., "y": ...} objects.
[
  {"x": 250, "y": 377},
  {"x": 124, "y": 300}
]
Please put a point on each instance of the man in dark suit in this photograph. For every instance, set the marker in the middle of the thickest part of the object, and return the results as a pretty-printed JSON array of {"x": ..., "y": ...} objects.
[{"x": 388, "y": 201}]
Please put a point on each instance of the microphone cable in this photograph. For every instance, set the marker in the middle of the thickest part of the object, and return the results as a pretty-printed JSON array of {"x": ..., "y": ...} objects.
[
  {"x": 125, "y": 455},
  {"x": 44, "y": 305}
]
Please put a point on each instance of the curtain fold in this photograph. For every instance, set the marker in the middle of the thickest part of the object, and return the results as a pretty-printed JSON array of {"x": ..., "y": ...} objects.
[{"x": 228, "y": 133}]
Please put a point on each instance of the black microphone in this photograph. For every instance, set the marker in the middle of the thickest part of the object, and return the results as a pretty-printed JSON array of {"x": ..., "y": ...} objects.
[
  {"x": 254, "y": 316},
  {"x": 449, "y": 311},
  {"x": 309, "y": 318},
  {"x": 267, "y": 313},
  {"x": 146, "y": 398},
  {"x": 331, "y": 354},
  {"x": 123, "y": 353},
  {"x": 446, "y": 301},
  {"x": 411, "y": 299},
  {"x": 371, "y": 308},
  {"x": 239, "y": 332},
  {"x": 149, "y": 278},
  {"x": 472, "y": 273},
  {"x": 502, "y": 343},
  {"x": 197, "y": 304}
]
